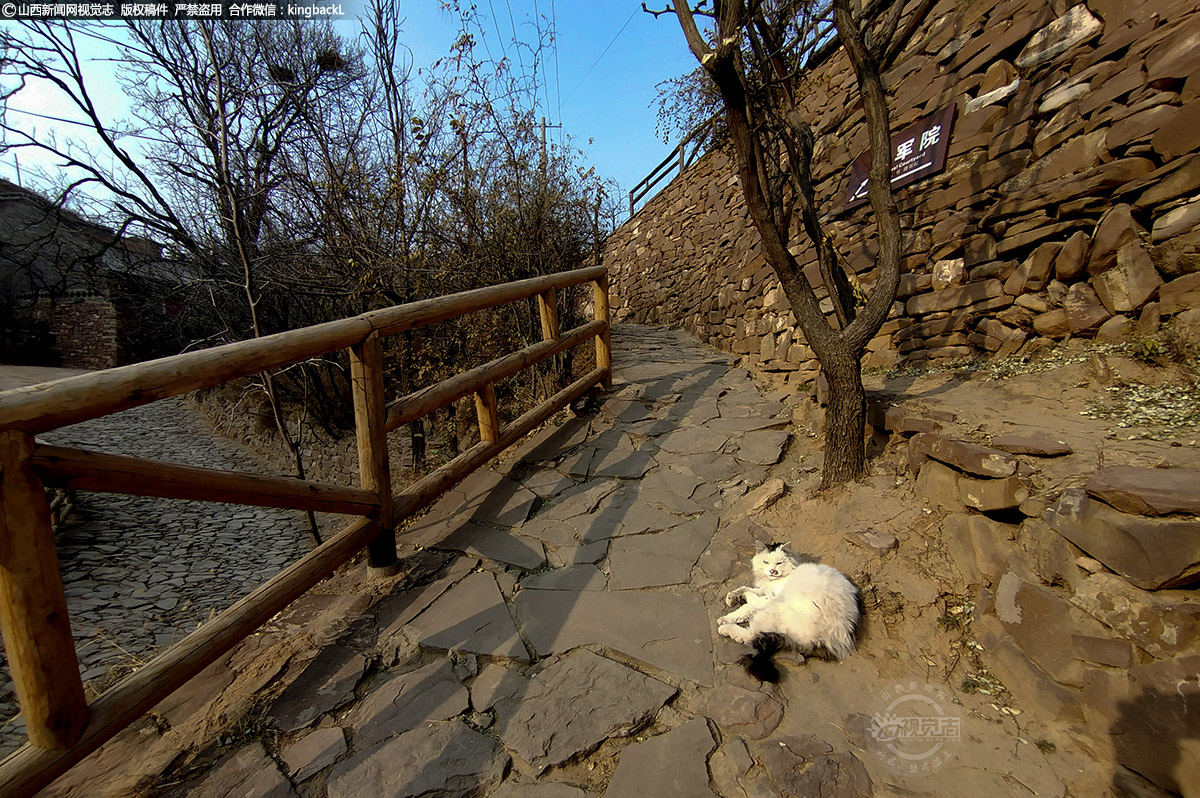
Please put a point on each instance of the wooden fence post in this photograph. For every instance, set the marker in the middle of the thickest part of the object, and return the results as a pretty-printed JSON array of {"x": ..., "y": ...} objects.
[
  {"x": 370, "y": 427},
  {"x": 604, "y": 340},
  {"x": 548, "y": 310},
  {"x": 33, "y": 608},
  {"x": 489, "y": 417}
]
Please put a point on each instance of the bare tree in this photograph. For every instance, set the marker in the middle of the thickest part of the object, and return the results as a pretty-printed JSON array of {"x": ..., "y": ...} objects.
[{"x": 757, "y": 60}]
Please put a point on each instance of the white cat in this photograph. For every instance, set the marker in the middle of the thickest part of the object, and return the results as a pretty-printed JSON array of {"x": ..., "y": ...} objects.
[{"x": 808, "y": 605}]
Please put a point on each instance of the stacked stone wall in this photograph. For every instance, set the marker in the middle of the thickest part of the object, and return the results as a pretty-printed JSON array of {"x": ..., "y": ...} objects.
[
  {"x": 1067, "y": 208},
  {"x": 84, "y": 332}
]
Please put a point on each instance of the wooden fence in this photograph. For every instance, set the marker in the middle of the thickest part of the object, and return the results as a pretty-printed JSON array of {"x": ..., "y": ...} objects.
[{"x": 63, "y": 727}]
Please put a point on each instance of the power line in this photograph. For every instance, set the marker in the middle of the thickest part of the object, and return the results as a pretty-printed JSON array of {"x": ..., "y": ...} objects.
[
  {"x": 496, "y": 23},
  {"x": 89, "y": 126},
  {"x": 597, "y": 61},
  {"x": 537, "y": 21},
  {"x": 516, "y": 43},
  {"x": 557, "y": 78}
]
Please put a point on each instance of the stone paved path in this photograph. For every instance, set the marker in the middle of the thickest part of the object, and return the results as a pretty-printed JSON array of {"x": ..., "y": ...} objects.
[
  {"x": 565, "y": 608},
  {"x": 141, "y": 573}
]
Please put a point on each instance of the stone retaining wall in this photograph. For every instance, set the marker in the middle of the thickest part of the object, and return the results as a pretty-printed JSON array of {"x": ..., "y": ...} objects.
[{"x": 1067, "y": 207}]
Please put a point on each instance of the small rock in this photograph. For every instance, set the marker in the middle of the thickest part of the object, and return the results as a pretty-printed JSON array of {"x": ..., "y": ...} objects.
[
  {"x": 758, "y": 499},
  {"x": 873, "y": 541}
]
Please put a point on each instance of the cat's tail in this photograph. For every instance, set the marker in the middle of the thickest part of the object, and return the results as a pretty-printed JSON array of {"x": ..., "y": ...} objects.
[{"x": 760, "y": 664}]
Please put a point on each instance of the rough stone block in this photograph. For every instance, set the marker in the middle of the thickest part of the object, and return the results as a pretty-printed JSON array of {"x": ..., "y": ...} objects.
[
  {"x": 1115, "y": 229},
  {"x": 1085, "y": 313},
  {"x": 989, "y": 495},
  {"x": 1179, "y": 294},
  {"x": 1148, "y": 491},
  {"x": 938, "y": 484},
  {"x": 951, "y": 298},
  {"x": 1163, "y": 623},
  {"x": 979, "y": 546},
  {"x": 1131, "y": 283},
  {"x": 1052, "y": 323},
  {"x": 1149, "y": 715},
  {"x": 1072, "y": 28},
  {"x": 968, "y": 457},
  {"x": 1040, "y": 622},
  {"x": 1180, "y": 135},
  {"x": 1151, "y": 553}
]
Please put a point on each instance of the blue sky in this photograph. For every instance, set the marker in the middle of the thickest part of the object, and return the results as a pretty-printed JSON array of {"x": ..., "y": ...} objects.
[{"x": 611, "y": 106}]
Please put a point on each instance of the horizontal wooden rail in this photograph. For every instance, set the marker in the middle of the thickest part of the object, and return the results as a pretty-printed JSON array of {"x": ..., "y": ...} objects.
[
  {"x": 426, "y": 400},
  {"x": 38, "y": 408},
  {"x": 390, "y": 321},
  {"x": 30, "y": 768},
  {"x": 113, "y": 473},
  {"x": 424, "y": 492},
  {"x": 63, "y": 728}
]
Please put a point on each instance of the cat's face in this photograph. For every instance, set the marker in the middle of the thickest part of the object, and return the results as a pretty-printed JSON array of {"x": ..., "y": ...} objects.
[{"x": 773, "y": 564}]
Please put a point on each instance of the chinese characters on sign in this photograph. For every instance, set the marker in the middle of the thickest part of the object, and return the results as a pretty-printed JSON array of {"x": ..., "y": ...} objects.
[{"x": 918, "y": 151}]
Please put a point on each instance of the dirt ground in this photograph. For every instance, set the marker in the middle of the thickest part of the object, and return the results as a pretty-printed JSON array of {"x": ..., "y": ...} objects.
[{"x": 916, "y": 636}]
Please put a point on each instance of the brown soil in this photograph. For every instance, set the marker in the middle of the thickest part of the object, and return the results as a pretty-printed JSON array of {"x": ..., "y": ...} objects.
[{"x": 916, "y": 635}]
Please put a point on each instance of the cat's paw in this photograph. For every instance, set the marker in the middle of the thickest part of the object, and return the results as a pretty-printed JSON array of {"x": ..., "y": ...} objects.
[
  {"x": 739, "y": 634},
  {"x": 735, "y": 597}
]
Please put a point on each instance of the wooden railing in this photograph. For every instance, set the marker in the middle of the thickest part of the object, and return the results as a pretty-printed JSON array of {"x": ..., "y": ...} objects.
[
  {"x": 63, "y": 727},
  {"x": 680, "y": 158}
]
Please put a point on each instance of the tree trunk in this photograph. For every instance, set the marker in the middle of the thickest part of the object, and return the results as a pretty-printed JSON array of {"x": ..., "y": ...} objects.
[{"x": 845, "y": 420}]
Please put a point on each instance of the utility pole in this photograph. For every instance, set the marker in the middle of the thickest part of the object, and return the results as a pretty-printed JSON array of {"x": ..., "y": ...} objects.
[{"x": 544, "y": 160}]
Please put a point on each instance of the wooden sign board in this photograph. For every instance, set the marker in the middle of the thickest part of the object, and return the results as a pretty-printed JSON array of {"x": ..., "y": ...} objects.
[{"x": 918, "y": 151}]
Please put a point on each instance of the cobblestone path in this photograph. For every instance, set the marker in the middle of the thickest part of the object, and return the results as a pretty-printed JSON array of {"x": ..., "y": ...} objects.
[{"x": 141, "y": 573}]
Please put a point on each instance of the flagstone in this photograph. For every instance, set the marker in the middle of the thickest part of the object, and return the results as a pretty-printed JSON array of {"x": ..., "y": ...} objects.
[
  {"x": 763, "y": 447},
  {"x": 665, "y": 630},
  {"x": 578, "y": 555},
  {"x": 492, "y": 544},
  {"x": 553, "y": 532},
  {"x": 574, "y": 705},
  {"x": 694, "y": 441},
  {"x": 447, "y": 759},
  {"x": 620, "y": 464},
  {"x": 575, "y": 577},
  {"x": 747, "y": 424},
  {"x": 397, "y": 611},
  {"x": 671, "y": 765},
  {"x": 314, "y": 752},
  {"x": 660, "y": 558},
  {"x": 471, "y": 617},
  {"x": 552, "y": 443},
  {"x": 546, "y": 482},
  {"x": 670, "y": 478},
  {"x": 406, "y": 701},
  {"x": 578, "y": 501},
  {"x": 670, "y": 501},
  {"x": 327, "y": 682},
  {"x": 495, "y": 683},
  {"x": 251, "y": 771}
]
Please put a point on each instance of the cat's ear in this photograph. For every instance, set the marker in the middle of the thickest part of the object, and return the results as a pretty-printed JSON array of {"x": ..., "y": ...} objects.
[
  {"x": 760, "y": 547},
  {"x": 787, "y": 544}
]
